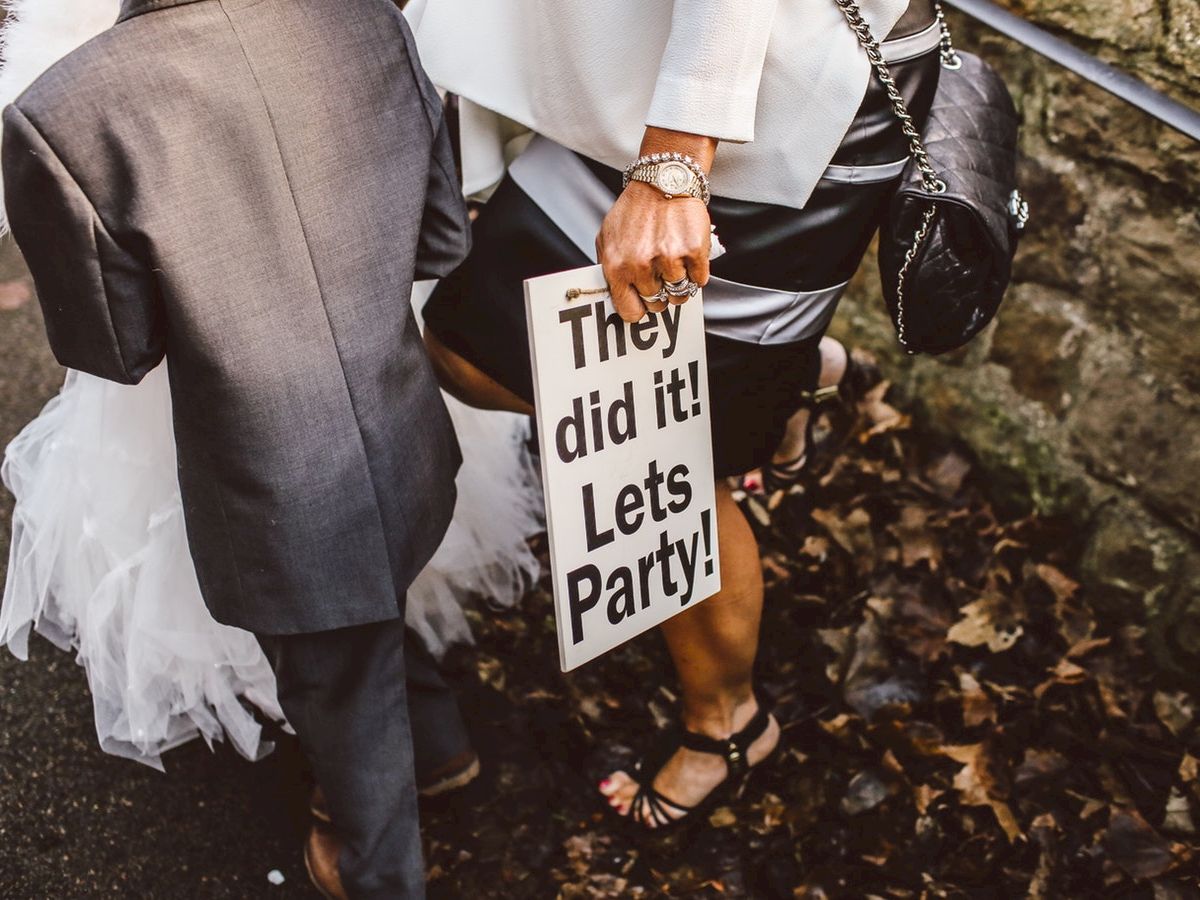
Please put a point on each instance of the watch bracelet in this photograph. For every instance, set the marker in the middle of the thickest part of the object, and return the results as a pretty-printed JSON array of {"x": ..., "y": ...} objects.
[{"x": 654, "y": 159}]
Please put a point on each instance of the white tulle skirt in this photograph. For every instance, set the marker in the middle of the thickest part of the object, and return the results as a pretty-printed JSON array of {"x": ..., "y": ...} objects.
[{"x": 99, "y": 564}]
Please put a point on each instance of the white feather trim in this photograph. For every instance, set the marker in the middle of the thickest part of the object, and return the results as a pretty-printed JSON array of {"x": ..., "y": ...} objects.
[{"x": 38, "y": 33}]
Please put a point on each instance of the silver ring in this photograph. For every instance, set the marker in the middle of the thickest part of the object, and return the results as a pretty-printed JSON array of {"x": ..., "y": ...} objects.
[
  {"x": 661, "y": 297},
  {"x": 684, "y": 287}
]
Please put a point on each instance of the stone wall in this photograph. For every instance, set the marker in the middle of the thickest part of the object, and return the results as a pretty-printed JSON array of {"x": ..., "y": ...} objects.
[{"x": 1082, "y": 399}]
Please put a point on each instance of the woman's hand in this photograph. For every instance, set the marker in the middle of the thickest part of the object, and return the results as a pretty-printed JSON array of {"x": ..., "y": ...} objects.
[{"x": 646, "y": 239}]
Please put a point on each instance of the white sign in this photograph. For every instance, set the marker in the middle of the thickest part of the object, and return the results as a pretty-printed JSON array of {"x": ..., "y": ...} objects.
[{"x": 623, "y": 423}]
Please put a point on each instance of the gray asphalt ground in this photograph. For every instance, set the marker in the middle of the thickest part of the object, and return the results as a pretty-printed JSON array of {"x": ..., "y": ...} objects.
[{"x": 76, "y": 822}]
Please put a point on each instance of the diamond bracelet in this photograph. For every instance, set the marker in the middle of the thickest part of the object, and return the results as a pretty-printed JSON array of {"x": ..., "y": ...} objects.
[{"x": 675, "y": 174}]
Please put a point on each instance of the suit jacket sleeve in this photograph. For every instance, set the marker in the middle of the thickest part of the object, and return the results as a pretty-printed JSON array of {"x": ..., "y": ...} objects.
[
  {"x": 708, "y": 80},
  {"x": 101, "y": 303},
  {"x": 445, "y": 227}
]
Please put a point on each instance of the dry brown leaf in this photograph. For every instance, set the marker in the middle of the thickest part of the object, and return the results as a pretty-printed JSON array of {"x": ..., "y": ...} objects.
[
  {"x": 865, "y": 791},
  {"x": 1174, "y": 890},
  {"x": 1114, "y": 695},
  {"x": 1136, "y": 847},
  {"x": 977, "y": 706},
  {"x": 722, "y": 817},
  {"x": 981, "y": 626},
  {"x": 919, "y": 621},
  {"x": 892, "y": 764},
  {"x": 1043, "y": 823},
  {"x": 883, "y": 607},
  {"x": 852, "y": 533},
  {"x": 888, "y": 425},
  {"x": 809, "y": 600},
  {"x": 1039, "y": 765},
  {"x": 874, "y": 408},
  {"x": 970, "y": 782},
  {"x": 946, "y": 474},
  {"x": 1111, "y": 781},
  {"x": 839, "y": 726},
  {"x": 1084, "y": 647},
  {"x": 916, "y": 539},
  {"x": 774, "y": 811},
  {"x": 838, "y": 640},
  {"x": 1062, "y": 587},
  {"x": 1009, "y": 693},
  {"x": 873, "y": 681},
  {"x": 1009, "y": 544},
  {"x": 1090, "y": 808},
  {"x": 1176, "y": 710},
  {"x": 1189, "y": 768},
  {"x": 760, "y": 513},
  {"x": 924, "y": 738},
  {"x": 1075, "y": 621},
  {"x": 1066, "y": 672},
  {"x": 924, "y": 795},
  {"x": 1177, "y": 816},
  {"x": 773, "y": 567},
  {"x": 816, "y": 546},
  {"x": 1069, "y": 673},
  {"x": 491, "y": 671},
  {"x": 1043, "y": 829}
]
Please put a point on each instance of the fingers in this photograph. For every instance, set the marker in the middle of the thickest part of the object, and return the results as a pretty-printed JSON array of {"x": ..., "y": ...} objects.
[
  {"x": 646, "y": 283},
  {"x": 671, "y": 268},
  {"x": 625, "y": 297},
  {"x": 629, "y": 282},
  {"x": 622, "y": 274},
  {"x": 697, "y": 260}
]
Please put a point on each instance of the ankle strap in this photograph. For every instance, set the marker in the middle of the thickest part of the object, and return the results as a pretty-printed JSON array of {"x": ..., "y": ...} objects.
[
  {"x": 733, "y": 749},
  {"x": 821, "y": 395}
]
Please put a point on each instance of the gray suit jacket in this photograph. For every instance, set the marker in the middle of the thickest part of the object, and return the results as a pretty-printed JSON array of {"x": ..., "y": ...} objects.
[{"x": 247, "y": 186}]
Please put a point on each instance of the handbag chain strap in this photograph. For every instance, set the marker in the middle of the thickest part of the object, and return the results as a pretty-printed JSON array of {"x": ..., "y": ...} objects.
[
  {"x": 916, "y": 147},
  {"x": 950, "y": 60}
]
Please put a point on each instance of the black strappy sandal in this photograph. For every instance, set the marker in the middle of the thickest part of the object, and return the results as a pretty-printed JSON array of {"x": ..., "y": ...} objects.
[
  {"x": 778, "y": 476},
  {"x": 650, "y": 811},
  {"x": 782, "y": 476}
]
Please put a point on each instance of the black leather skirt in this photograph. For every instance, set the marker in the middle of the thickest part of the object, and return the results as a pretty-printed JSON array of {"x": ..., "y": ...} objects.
[{"x": 479, "y": 310}]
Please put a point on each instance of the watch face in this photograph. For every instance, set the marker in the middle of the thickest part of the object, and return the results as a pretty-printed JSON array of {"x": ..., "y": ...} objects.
[{"x": 674, "y": 178}]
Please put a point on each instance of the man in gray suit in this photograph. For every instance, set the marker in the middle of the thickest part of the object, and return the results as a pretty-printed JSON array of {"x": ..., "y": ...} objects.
[{"x": 247, "y": 187}]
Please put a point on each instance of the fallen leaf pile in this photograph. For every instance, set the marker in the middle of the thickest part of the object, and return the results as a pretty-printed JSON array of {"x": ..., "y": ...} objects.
[{"x": 957, "y": 722}]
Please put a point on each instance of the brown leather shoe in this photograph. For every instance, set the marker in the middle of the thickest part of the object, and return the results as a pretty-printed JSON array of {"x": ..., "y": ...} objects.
[
  {"x": 321, "y": 859},
  {"x": 457, "y": 773}
]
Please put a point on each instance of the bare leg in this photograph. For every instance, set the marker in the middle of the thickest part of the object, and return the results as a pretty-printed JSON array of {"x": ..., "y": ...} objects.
[
  {"x": 713, "y": 647},
  {"x": 468, "y": 383}
]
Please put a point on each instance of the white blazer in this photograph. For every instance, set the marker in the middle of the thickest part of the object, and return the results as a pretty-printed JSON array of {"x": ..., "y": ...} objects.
[{"x": 777, "y": 81}]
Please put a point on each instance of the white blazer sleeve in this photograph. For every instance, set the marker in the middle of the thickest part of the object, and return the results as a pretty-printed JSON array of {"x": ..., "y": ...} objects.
[{"x": 708, "y": 80}]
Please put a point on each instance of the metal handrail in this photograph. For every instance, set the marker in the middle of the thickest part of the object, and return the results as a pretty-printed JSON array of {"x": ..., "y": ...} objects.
[{"x": 1121, "y": 84}]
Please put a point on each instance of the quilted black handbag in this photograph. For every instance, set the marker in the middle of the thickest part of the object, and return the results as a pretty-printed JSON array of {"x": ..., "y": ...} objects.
[{"x": 947, "y": 245}]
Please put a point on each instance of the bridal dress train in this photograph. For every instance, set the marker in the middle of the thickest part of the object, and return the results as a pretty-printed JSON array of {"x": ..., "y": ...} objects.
[{"x": 99, "y": 561}]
